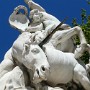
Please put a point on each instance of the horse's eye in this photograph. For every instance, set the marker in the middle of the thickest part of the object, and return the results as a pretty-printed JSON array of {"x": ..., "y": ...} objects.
[{"x": 35, "y": 50}]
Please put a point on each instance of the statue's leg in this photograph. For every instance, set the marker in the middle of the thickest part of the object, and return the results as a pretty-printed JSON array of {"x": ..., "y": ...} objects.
[
  {"x": 6, "y": 66},
  {"x": 16, "y": 80},
  {"x": 83, "y": 43},
  {"x": 80, "y": 76},
  {"x": 62, "y": 36},
  {"x": 80, "y": 35}
]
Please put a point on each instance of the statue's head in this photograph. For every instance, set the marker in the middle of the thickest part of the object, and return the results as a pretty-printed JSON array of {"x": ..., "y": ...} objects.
[
  {"x": 31, "y": 56},
  {"x": 35, "y": 15},
  {"x": 35, "y": 59}
]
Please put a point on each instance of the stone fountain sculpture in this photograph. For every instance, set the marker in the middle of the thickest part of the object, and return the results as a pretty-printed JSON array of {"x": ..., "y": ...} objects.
[{"x": 44, "y": 56}]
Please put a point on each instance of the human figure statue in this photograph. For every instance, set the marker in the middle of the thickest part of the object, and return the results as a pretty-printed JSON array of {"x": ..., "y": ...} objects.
[
  {"x": 40, "y": 25},
  {"x": 62, "y": 39}
]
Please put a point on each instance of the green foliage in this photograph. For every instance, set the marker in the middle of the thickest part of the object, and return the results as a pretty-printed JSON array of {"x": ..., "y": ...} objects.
[
  {"x": 85, "y": 57},
  {"x": 86, "y": 29},
  {"x": 88, "y": 1},
  {"x": 85, "y": 25},
  {"x": 83, "y": 16},
  {"x": 74, "y": 22}
]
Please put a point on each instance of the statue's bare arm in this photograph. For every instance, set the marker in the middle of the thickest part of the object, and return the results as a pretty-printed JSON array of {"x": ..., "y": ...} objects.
[
  {"x": 7, "y": 64},
  {"x": 49, "y": 26},
  {"x": 33, "y": 5},
  {"x": 41, "y": 35}
]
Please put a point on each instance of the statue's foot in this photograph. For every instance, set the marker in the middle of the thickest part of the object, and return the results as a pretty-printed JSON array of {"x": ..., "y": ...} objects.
[{"x": 80, "y": 50}]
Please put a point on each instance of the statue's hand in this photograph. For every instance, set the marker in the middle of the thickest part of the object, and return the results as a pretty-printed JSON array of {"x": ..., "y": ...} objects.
[{"x": 39, "y": 36}]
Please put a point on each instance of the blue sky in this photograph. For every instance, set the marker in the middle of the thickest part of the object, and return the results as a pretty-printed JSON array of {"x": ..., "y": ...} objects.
[{"x": 58, "y": 8}]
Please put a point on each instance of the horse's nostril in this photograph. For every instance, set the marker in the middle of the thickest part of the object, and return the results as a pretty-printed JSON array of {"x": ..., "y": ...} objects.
[
  {"x": 43, "y": 68},
  {"x": 37, "y": 71}
]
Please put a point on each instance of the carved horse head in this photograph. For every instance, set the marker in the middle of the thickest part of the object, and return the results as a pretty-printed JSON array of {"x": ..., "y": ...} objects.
[{"x": 30, "y": 55}]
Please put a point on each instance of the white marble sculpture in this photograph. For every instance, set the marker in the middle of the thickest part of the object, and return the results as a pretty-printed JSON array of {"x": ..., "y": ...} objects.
[
  {"x": 38, "y": 65},
  {"x": 64, "y": 65},
  {"x": 44, "y": 23}
]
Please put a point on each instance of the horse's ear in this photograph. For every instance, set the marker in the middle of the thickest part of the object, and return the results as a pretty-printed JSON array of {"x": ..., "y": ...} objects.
[{"x": 25, "y": 48}]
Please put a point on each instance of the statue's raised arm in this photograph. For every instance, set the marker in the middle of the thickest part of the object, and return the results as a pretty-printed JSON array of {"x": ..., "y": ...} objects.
[
  {"x": 18, "y": 19},
  {"x": 33, "y": 5}
]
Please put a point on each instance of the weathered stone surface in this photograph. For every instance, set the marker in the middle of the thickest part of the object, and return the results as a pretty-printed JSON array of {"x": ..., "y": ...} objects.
[{"x": 39, "y": 62}]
